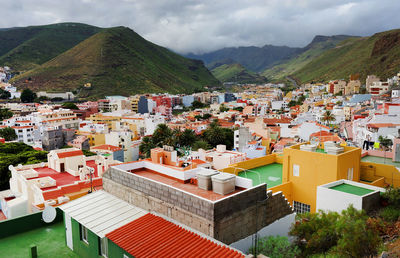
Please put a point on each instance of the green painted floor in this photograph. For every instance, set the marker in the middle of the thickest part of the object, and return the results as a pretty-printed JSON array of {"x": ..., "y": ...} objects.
[
  {"x": 356, "y": 190},
  {"x": 380, "y": 160},
  {"x": 50, "y": 242},
  {"x": 270, "y": 174}
]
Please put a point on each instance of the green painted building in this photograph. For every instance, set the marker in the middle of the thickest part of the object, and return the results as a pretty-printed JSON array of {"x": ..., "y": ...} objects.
[{"x": 89, "y": 218}]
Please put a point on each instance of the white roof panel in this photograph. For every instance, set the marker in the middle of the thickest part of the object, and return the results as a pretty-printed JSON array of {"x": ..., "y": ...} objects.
[{"x": 101, "y": 212}]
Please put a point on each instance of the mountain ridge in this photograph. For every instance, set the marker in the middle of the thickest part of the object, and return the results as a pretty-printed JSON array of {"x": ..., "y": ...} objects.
[{"x": 118, "y": 61}]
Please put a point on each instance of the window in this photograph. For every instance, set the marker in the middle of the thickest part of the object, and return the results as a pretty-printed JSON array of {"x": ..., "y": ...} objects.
[
  {"x": 296, "y": 170},
  {"x": 84, "y": 234},
  {"x": 299, "y": 207},
  {"x": 103, "y": 245}
]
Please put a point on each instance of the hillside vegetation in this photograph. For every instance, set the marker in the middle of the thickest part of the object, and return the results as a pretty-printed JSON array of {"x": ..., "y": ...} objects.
[
  {"x": 236, "y": 73},
  {"x": 118, "y": 61},
  {"x": 255, "y": 59},
  {"x": 378, "y": 54},
  {"x": 318, "y": 46},
  {"x": 28, "y": 47}
]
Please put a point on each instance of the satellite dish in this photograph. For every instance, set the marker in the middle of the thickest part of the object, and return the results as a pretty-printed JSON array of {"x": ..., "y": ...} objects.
[
  {"x": 49, "y": 214},
  {"x": 42, "y": 164},
  {"x": 19, "y": 166},
  {"x": 10, "y": 167}
]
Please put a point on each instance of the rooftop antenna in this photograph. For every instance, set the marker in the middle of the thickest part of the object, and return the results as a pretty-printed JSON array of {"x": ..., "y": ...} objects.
[{"x": 49, "y": 214}]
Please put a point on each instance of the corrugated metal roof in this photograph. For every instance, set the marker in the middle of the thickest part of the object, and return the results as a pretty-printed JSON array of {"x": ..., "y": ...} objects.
[
  {"x": 153, "y": 236},
  {"x": 102, "y": 212}
]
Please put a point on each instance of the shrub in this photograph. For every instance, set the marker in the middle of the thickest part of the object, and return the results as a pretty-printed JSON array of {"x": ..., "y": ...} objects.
[
  {"x": 276, "y": 246},
  {"x": 390, "y": 213}
]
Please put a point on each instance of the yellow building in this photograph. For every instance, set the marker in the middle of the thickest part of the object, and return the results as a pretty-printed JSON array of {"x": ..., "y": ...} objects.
[
  {"x": 135, "y": 103},
  {"x": 297, "y": 173},
  {"x": 108, "y": 120},
  {"x": 305, "y": 170},
  {"x": 94, "y": 138}
]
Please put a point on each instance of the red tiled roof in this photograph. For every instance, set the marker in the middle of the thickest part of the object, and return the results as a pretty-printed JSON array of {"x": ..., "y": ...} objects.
[
  {"x": 153, "y": 236},
  {"x": 107, "y": 147},
  {"x": 382, "y": 125},
  {"x": 283, "y": 120},
  {"x": 69, "y": 154}
]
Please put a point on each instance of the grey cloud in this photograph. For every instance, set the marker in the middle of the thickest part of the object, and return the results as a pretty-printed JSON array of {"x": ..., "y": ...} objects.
[{"x": 200, "y": 26}]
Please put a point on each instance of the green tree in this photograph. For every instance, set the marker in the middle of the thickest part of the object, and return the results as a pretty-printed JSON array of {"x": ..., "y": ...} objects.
[
  {"x": 206, "y": 116},
  {"x": 292, "y": 103},
  {"x": 186, "y": 138},
  {"x": 222, "y": 108},
  {"x": 318, "y": 231},
  {"x": 197, "y": 104},
  {"x": 276, "y": 247},
  {"x": 8, "y": 134},
  {"x": 357, "y": 237},
  {"x": 5, "y": 113},
  {"x": 162, "y": 135},
  {"x": 14, "y": 153},
  {"x": 240, "y": 109},
  {"x": 348, "y": 234},
  {"x": 4, "y": 94},
  {"x": 201, "y": 145},
  {"x": 28, "y": 96},
  {"x": 69, "y": 105},
  {"x": 216, "y": 135},
  {"x": 145, "y": 146},
  {"x": 328, "y": 117}
]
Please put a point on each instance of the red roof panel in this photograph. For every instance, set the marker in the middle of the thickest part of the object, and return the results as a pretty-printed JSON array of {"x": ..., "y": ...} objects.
[
  {"x": 153, "y": 236},
  {"x": 69, "y": 154}
]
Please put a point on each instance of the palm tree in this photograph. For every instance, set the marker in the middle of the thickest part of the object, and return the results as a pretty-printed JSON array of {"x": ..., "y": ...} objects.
[
  {"x": 162, "y": 135},
  {"x": 328, "y": 117},
  {"x": 145, "y": 146}
]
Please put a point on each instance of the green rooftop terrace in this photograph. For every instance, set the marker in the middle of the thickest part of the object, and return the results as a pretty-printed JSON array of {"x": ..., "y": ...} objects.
[
  {"x": 380, "y": 160},
  {"x": 50, "y": 242},
  {"x": 351, "y": 189},
  {"x": 270, "y": 174}
]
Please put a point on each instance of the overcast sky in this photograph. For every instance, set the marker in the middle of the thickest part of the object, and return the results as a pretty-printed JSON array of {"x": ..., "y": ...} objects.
[{"x": 201, "y": 26}]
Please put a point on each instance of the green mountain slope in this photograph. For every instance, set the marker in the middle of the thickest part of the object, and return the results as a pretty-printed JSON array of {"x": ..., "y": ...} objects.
[
  {"x": 26, "y": 48},
  {"x": 256, "y": 59},
  {"x": 118, "y": 61},
  {"x": 378, "y": 54},
  {"x": 236, "y": 73},
  {"x": 318, "y": 46}
]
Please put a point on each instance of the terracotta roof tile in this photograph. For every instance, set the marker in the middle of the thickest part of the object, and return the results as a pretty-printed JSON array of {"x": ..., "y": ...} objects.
[
  {"x": 153, "y": 236},
  {"x": 69, "y": 154}
]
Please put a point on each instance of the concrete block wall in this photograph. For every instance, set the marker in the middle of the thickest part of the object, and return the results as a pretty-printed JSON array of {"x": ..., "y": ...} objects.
[
  {"x": 154, "y": 204},
  {"x": 227, "y": 220},
  {"x": 177, "y": 197}
]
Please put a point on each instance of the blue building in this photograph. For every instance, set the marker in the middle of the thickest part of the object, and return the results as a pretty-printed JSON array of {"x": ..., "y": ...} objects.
[
  {"x": 143, "y": 106},
  {"x": 187, "y": 100}
]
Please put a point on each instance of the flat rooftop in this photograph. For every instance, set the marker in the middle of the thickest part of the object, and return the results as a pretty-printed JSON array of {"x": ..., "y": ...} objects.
[
  {"x": 50, "y": 240},
  {"x": 380, "y": 160},
  {"x": 63, "y": 178},
  {"x": 351, "y": 189},
  {"x": 270, "y": 174},
  {"x": 187, "y": 187}
]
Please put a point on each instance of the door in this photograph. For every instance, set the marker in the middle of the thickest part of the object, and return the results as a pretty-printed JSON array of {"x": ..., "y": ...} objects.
[
  {"x": 62, "y": 168},
  {"x": 68, "y": 231}
]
